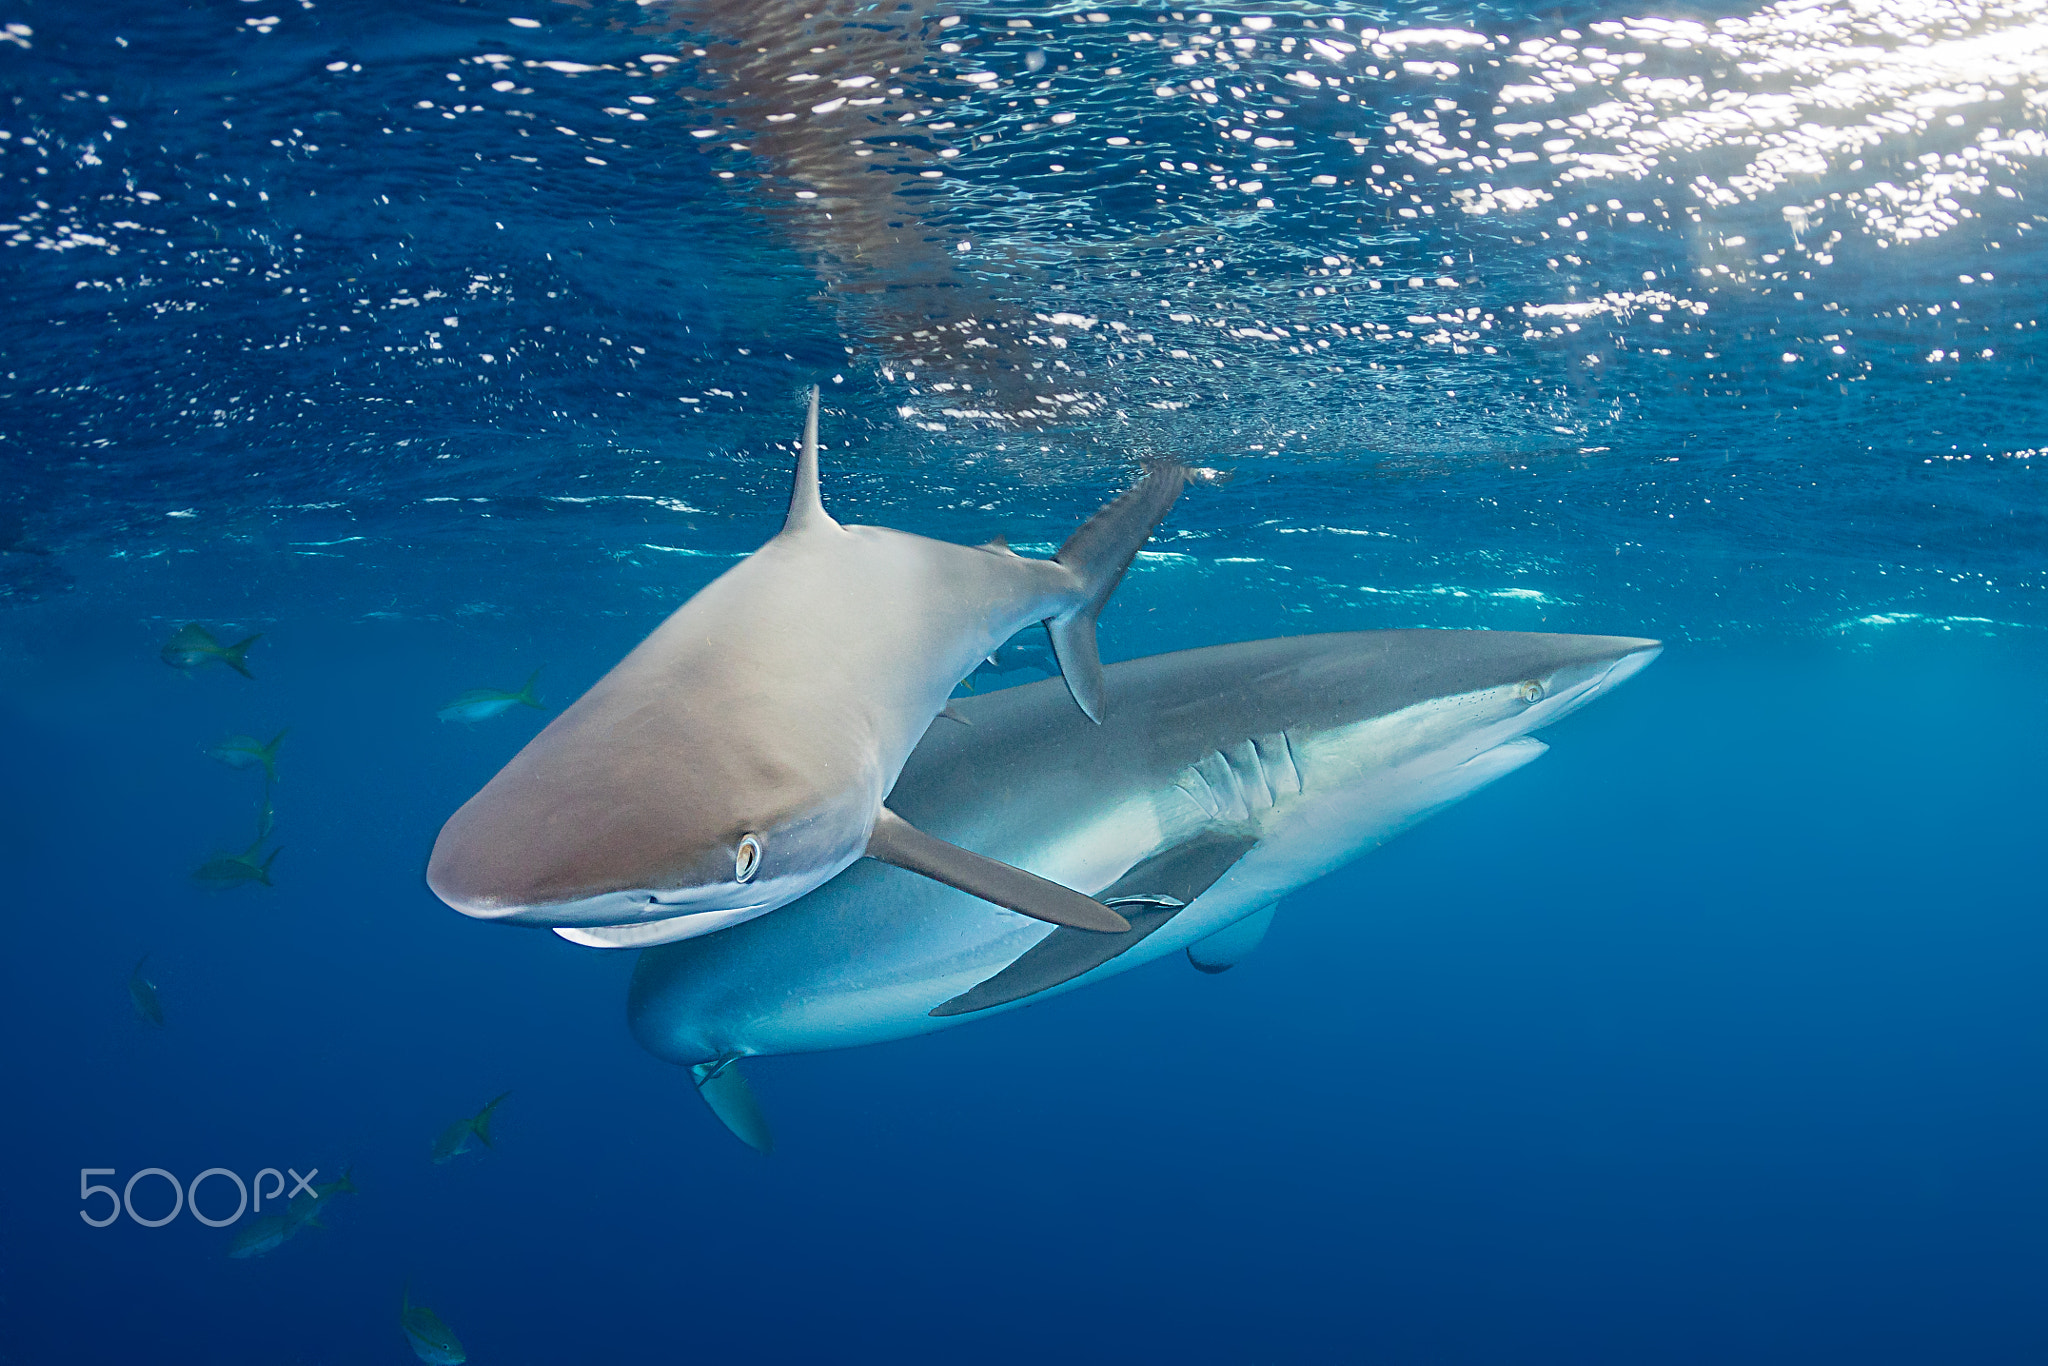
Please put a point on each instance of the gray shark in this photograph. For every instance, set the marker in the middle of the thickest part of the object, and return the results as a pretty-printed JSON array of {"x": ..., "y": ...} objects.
[
  {"x": 740, "y": 755},
  {"x": 1222, "y": 779}
]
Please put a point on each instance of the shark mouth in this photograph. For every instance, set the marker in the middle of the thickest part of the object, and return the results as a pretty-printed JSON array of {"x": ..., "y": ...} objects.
[{"x": 645, "y": 934}]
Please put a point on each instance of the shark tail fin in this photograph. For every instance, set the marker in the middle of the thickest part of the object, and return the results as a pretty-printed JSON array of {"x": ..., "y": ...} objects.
[
  {"x": 138, "y": 966},
  {"x": 1098, "y": 554},
  {"x": 270, "y": 755},
  {"x": 264, "y": 873},
  {"x": 236, "y": 656},
  {"x": 481, "y": 1125},
  {"x": 806, "y": 507},
  {"x": 527, "y": 694},
  {"x": 732, "y": 1100},
  {"x": 346, "y": 1185}
]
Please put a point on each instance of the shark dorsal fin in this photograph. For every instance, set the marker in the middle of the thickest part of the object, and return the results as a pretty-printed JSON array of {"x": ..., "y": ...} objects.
[{"x": 806, "y": 509}]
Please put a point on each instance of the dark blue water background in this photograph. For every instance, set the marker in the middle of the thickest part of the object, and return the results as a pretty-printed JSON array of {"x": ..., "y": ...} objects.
[{"x": 1714, "y": 1035}]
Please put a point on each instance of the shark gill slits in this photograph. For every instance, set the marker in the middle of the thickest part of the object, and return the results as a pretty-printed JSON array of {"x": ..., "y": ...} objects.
[
  {"x": 746, "y": 859},
  {"x": 1530, "y": 691}
]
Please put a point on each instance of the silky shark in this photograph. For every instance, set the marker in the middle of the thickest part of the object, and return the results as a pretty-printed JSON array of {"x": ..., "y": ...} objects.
[
  {"x": 740, "y": 755},
  {"x": 1222, "y": 779}
]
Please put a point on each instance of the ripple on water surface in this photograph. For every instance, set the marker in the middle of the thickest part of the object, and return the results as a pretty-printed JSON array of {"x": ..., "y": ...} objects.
[{"x": 1750, "y": 301}]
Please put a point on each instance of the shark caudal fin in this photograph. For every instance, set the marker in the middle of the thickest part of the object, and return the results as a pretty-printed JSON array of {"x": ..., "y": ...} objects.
[
  {"x": 236, "y": 656},
  {"x": 729, "y": 1097},
  {"x": 1098, "y": 554},
  {"x": 806, "y": 507}
]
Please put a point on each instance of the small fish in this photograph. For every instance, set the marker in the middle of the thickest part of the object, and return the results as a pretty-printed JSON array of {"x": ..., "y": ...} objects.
[
  {"x": 194, "y": 647},
  {"x": 307, "y": 1206},
  {"x": 432, "y": 1340},
  {"x": 481, "y": 704},
  {"x": 458, "y": 1137},
  {"x": 261, "y": 1236},
  {"x": 266, "y": 1233},
  {"x": 236, "y": 870},
  {"x": 246, "y": 751},
  {"x": 142, "y": 991}
]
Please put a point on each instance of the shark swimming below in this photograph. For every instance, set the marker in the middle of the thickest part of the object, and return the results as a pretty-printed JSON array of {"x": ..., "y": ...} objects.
[
  {"x": 1223, "y": 779},
  {"x": 739, "y": 757}
]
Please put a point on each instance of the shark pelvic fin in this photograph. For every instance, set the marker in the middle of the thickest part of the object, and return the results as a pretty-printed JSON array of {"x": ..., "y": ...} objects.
[
  {"x": 730, "y": 1098},
  {"x": 897, "y": 841},
  {"x": 1150, "y": 894},
  {"x": 1232, "y": 944},
  {"x": 806, "y": 508},
  {"x": 1098, "y": 554}
]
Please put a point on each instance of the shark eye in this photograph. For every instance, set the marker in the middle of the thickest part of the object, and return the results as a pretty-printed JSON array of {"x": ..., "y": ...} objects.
[
  {"x": 1531, "y": 691},
  {"x": 746, "y": 859}
]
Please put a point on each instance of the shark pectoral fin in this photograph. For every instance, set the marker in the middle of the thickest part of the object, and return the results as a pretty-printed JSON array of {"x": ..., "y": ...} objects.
[
  {"x": 732, "y": 1100},
  {"x": 897, "y": 841},
  {"x": 1151, "y": 894},
  {"x": 1060, "y": 957},
  {"x": 1232, "y": 944},
  {"x": 1184, "y": 871},
  {"x": 1098, "y": 554}
]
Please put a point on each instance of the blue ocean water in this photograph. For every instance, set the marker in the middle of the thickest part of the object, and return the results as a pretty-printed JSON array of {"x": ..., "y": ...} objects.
[{"x": 442, "y": 343}]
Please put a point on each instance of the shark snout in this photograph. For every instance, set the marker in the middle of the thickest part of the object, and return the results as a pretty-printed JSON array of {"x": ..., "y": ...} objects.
[
  {"x": 1640, "y": 656},
  {"x": 1573, "y": 685}
]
